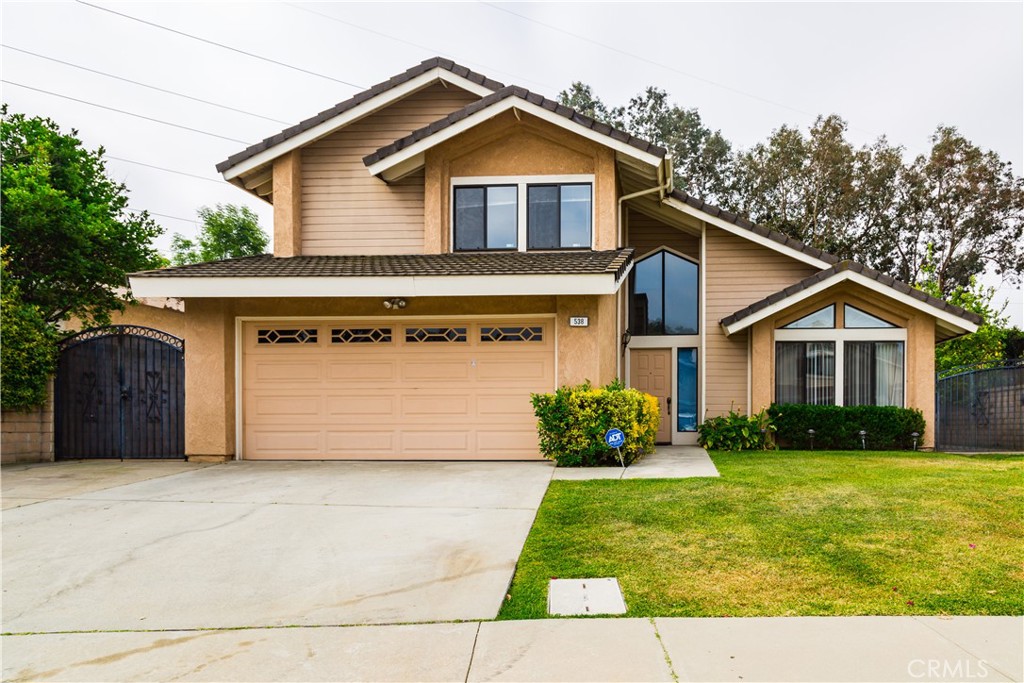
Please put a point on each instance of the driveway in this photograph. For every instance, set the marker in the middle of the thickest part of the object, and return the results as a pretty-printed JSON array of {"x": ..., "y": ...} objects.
[{"x": 145, "y": 545}]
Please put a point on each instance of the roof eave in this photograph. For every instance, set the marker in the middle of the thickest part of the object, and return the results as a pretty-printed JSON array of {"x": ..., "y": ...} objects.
[
  {"x": 950, "y": 323},
  {"x": 547, "y": 284},
  {"x": 397, "y": 163}
]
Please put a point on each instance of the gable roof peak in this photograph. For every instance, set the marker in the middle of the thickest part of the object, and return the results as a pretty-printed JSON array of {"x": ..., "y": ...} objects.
[{"x": 409, "y": 74}]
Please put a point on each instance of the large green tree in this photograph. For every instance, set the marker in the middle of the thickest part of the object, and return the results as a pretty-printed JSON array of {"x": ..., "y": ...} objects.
[
  {"x": 228, "y": 231},
  {"x": 70, "y": 239},
  {"x": 701, "y": 156}
]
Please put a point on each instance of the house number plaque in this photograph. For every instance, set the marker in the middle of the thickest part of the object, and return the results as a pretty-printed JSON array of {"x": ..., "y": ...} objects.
[{"x": 579, "y": 321}]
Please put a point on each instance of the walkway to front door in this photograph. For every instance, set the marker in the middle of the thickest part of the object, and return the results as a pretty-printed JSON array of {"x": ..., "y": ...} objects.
[{"x": 667, "y": 462}]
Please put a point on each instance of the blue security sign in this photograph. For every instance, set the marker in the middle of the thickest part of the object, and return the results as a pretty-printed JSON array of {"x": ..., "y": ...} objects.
[{"x": 614, "y": 438}]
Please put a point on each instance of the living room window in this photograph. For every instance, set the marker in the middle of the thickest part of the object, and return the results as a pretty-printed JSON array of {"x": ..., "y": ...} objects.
[
  {"x": 520, "y": 213},
  {"x": 861, "y": 363}
]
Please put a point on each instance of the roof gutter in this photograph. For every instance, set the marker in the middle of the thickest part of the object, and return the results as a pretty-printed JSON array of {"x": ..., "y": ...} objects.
[{"x": 663, "y": 188}]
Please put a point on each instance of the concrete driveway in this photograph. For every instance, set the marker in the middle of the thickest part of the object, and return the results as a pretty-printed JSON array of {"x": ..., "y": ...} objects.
[{"x": 145, "y": 545}]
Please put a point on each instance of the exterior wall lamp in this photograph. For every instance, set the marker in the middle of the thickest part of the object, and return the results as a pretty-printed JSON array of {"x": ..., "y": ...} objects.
[{"x": 395, "y": 303}]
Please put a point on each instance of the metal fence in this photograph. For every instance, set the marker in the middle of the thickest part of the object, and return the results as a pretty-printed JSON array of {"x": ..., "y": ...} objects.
[{"x": 980, "y": 407}]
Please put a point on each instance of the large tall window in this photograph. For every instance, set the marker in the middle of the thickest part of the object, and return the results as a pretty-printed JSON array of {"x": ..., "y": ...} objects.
[
  {"x": 664, "y": 296},
  {"x": 860, "y": 363}
]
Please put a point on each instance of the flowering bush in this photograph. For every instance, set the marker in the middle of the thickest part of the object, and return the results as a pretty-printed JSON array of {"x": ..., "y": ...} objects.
[{"x": 572, "y": 423}]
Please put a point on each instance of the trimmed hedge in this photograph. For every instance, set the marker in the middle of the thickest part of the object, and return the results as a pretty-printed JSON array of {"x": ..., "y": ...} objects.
[
  {"x": 572, "y": 423},
  {"x": 837, "y": 427}
]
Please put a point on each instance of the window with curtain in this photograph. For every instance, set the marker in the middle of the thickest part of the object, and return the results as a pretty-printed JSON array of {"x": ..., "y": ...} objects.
[
  {"x": 664, "y": 295},
  {"x": 873, "y": 373},
  {"x": 805, "y": 372}
]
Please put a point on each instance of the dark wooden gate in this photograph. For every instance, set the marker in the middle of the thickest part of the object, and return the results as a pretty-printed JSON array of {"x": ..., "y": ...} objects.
[{"x": 120, "y": 393}]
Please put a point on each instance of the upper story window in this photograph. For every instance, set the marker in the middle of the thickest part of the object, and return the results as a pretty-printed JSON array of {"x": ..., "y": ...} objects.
[
  {"x": 854, "y": 317},
  {"x": 824, "y": 318},
  {"x": 559, "y": 216},
  {"x": 486, "y": 217},
  {"x": 664, "y": 296},
  {"x": 532, "y": 212}
]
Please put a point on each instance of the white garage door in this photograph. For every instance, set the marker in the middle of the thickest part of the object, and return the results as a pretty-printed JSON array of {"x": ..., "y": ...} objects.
[{"x": 435, "y": 390}]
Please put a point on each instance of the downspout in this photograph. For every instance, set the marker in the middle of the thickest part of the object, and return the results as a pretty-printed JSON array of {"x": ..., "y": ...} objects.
[{"x": 663, "y": 188}]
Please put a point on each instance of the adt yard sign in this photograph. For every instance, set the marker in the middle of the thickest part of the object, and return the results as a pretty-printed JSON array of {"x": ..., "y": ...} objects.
[{"x": 614, "y": 438}]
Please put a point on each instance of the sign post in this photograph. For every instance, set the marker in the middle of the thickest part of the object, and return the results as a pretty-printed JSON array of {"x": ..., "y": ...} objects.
[{"x": 615, "y": 439}]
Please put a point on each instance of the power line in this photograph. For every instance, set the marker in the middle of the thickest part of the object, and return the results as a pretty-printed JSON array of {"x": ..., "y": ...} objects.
[
  {"x": 121, "y": 111},
  {"x": 647, "y": 60},
  {"x": 168, "y": 170},
  {"x": 429, "y": 50},
  {"x": 144, "y": 85},
  {"x": 163, "y": 215},
  {"x": 220, "y": 45}
]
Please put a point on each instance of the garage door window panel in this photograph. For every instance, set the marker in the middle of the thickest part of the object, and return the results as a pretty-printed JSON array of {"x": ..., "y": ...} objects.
[
  {"x": 455, "y": 335},
  {"x": 361, "y": 335},
  {"x": 511, "y": 334},
  {"x": 287, "y": 336}
]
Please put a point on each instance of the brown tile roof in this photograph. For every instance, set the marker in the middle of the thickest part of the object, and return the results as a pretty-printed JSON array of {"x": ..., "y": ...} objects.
[
  {"x": 498, "y": 96},
  {"x": 757, "y": 229},
  {"x": 855, "y": 267},
  {"x": 614, "y": 262},
  {"x": 340, "y": 108}
]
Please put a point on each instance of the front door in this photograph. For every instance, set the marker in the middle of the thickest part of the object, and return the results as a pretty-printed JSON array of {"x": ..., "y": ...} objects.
[{"x": 650, "y": 371}]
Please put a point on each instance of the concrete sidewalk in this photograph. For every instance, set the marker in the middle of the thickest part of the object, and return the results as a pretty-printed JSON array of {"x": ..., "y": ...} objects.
[
  {"x": 761, "y": 649},
  {"x": 667, "y": 462}
]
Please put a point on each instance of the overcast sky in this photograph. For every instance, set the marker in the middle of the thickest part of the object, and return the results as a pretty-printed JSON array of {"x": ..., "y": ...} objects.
[{"x": 893, "y": 69}]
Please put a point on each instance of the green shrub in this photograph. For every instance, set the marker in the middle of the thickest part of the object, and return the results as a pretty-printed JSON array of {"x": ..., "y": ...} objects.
[
  {"x": 28, "y": 349},
  {"x": 838, "y": 427},
  {"x": 737, "y": 432},
  {"x": 572, "y": 423}
]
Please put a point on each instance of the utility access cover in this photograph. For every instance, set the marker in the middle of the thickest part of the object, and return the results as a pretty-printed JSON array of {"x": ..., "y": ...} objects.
[{"x": 574, "y": 597}]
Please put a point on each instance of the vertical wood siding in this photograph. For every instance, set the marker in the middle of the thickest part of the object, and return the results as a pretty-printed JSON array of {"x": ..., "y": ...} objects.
[
  {"x": 647, "y": 234},
  {"x": 345, "y": 210},
  {"x": 738, "y": 273}
]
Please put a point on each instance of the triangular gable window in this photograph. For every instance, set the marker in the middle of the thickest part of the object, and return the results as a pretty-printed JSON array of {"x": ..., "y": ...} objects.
[
  {"x": 824, "y": 318},
  {"x": 856, "y": 318}
]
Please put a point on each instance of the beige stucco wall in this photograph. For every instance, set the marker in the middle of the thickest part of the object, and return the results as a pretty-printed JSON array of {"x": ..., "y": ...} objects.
[
  {"x": 511, "y": 146},
  {"x": 920, "y": 347},
  {"x": 288, "y": 204}
]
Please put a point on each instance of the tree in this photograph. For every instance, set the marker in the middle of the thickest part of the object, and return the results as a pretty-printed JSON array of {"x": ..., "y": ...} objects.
[
  {"x": 967, "y": 205},
  {"x": 28, "y": 352},
  {"x": 228, "y": 231},
  {"x": 70, "y": 238},
  {"x": 701, "y": 156},
  {"x": 993, "y": 339}
]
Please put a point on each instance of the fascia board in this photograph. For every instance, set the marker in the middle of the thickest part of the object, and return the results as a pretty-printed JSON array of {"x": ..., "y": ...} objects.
[
  {"x": 511, "y": 102},
  {"x": 355, "y": 113},
  {"x": 953, "y": 322},
  {"x": 747, "y": 234},
  {"x": 454, "y": 285}
]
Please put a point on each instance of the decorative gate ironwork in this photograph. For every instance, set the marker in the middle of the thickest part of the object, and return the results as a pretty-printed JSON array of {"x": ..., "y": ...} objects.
[
  {"x": 980, "y": 407},
  {"x": 120, "y": 393}
]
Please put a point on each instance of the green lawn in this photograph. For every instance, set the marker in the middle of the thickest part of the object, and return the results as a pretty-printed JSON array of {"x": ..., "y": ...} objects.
[{"x": 791, "y": 533}]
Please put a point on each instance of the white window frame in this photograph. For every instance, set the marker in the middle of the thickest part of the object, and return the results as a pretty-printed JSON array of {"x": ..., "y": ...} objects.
[
  {"x": 521, "y": 182},
  {"x": 840, "y": 336}
]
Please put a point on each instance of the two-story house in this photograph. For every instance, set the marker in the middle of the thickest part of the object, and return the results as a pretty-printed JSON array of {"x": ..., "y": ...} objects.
[{"x": 445, "y": 245}]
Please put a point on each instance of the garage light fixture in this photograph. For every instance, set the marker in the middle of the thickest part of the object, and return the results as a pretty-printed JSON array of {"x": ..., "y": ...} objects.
[{"x": 394, "y": 303}]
